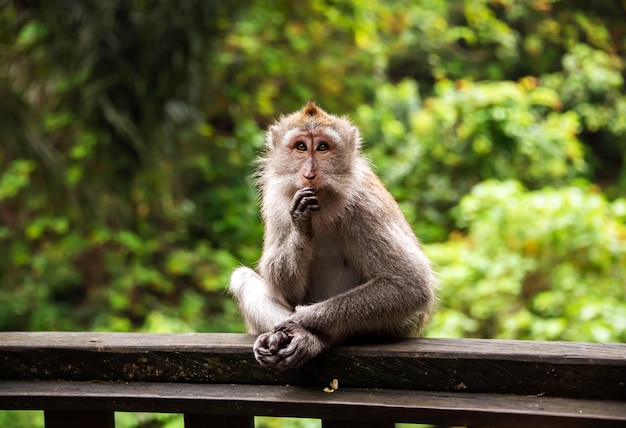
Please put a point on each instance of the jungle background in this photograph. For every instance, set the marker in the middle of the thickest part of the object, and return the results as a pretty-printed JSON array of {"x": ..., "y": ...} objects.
[{"x": 128, "y": 132}]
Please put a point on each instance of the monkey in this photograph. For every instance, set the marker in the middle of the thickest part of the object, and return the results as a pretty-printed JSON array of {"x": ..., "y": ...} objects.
[{"x": 339, "y": 259}]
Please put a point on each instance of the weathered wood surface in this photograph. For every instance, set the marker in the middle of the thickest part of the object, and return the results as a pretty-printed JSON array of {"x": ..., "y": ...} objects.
[
  {"x": 562, "y": 369},
  {"x": 446, "y": 408}
]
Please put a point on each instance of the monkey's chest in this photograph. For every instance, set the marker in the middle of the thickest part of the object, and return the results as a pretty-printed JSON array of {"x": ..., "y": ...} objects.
[{"x": 331, "y": 272}]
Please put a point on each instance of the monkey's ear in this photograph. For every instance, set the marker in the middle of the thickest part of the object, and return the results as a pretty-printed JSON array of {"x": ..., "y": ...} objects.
[{"x": 270, "y": 137}]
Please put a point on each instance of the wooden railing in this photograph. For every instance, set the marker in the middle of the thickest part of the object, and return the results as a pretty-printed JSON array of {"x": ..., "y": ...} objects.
[{"x": 81, "y": 379}]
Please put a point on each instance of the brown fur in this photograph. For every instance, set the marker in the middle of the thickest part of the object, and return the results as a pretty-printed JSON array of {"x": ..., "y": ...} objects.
[{"x": 339, "y": 259}]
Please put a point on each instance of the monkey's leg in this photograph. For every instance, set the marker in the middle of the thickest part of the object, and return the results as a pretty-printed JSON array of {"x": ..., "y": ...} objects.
[{"x": 260, "y": 310}]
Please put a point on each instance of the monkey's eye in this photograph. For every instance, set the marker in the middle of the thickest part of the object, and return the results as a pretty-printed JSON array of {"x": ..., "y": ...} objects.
[
  {"x": 300, "y": 146},
  {"x": 323, "y": 146}
]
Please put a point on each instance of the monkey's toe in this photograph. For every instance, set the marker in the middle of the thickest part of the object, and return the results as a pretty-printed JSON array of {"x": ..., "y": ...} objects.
[{"x": 277, "y": 340}]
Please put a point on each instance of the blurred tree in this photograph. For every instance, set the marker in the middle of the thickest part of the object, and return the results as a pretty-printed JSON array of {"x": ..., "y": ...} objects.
[
  {"x": 128, "y": 131},
  {"x": 542, "y": 265},
  {"x": 108, "y": 107},
  {"x": 576, "y": 48},
  {"x": 465, "y": 133}
]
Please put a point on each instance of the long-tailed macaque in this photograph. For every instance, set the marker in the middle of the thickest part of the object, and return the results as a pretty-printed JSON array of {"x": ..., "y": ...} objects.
[{"x": 339, "y": 259}]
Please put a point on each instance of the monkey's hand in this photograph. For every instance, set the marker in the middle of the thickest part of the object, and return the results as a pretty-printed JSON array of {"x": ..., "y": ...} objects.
[
  {"x": 289, "y": 346},
  {"x": 303, "y": 204}
]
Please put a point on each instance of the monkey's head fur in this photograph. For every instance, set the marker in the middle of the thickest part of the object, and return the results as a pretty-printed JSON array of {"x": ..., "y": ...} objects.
[{"x": 311, "y": 148}]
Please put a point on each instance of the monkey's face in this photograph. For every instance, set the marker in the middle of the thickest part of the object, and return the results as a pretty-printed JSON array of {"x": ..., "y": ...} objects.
[{"x": 313, "y": 149}]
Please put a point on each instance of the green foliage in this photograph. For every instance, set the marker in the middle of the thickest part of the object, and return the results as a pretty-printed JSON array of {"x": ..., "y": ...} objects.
[
  {"x": 128, "y": 132},
  {"x": 465, "y": 133},
  {"x": 15, "y": 178},
  {"x": 120, "y": 204},
  {"x": 572, "y": 48},
  {"x": 162, "y": 420},
  {"x": 544, "y": 265},
  {"x": 267, "y": 422},
  {"x": 25, "y": 418}
]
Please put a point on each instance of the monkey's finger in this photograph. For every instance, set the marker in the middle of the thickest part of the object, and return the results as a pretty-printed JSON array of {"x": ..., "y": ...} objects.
[
  {"x": 293, "y": 356},
  {"x": 299, "y": 196},
  {"x": 314, "y": 206},
  {"x": 267, "y": 360},
  {"x": 301, "y": 193},
  {"x": 262, "y": 353},
  {"x": 297, "y": 202},
  {"x": 312, "y": 200},
  {"x": 277, "y": 340},
  {"x": 305, "y": 191},
  {"x": 308, "y": 203},
  {"x": 261, "y": 344}
]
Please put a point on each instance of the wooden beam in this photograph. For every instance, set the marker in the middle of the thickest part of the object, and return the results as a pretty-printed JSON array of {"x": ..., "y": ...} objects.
[
  {"x": 368, "y": 405},
  {"x": 564, "y": 369}
]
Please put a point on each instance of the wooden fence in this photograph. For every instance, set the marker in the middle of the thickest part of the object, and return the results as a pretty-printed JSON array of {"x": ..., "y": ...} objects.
[{"x": 81, "y": 379}]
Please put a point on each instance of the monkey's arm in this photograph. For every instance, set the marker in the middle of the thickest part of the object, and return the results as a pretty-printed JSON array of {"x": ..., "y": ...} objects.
[
  {"x": 287, "y": 252},
  {"x": 398, "y": 289},
  {"x": 388, "y": 306},
  {"x": 395, "y": 299},
  {"x": 268, "y": 299}
]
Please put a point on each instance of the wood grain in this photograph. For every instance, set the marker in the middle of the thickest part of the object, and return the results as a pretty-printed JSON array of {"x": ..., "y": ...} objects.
[
  {"x": 446, "y": 408},
  {"x": 562, "y": 369}
]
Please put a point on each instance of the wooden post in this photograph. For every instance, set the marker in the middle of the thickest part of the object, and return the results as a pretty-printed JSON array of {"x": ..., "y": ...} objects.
[
  {"x": 78, "y": 419},
  {"x": 213, "y": 421}
]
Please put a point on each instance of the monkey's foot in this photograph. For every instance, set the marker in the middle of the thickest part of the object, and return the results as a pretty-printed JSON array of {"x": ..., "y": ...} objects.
[{"x": 289, "y": 346}]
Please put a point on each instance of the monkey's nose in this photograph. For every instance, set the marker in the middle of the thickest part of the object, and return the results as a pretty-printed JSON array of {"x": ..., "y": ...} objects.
[{"x": 310, "y": 177}]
